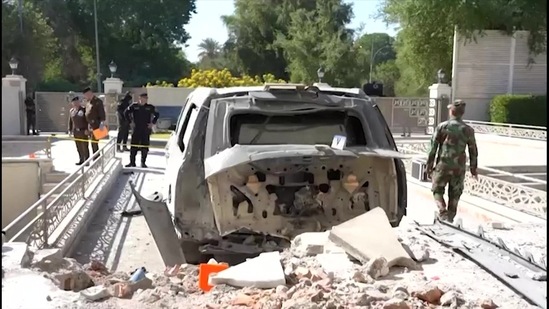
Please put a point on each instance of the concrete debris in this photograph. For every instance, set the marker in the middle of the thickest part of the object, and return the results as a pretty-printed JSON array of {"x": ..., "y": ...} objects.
[
  {"x": 450, "y": 298},
  {"x": 313, "y": 273},
  {"x": 264, "y": 271},
  {"x": 488, "y": 304},
  {"x": 429, "y": 294},
  {"x": 539, "y": 276},
  {"x": 395, "y": 303},
  {"x": 95, "y": 293},
  {"x": 369, "y": 236},
  {"x": 498, "y": 225},
  {"x": 376, "y": 268}
]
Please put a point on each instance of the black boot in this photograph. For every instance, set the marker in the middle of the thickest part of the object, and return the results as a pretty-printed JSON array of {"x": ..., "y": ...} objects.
[
  {"x": 133, "y": 154},
  {"x": 144, "y": 153}
]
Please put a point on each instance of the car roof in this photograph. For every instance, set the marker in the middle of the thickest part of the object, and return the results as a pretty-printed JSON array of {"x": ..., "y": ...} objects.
[{"x": 199, "y": 95}]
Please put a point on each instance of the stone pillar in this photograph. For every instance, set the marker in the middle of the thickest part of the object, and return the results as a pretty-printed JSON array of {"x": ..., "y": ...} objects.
[
  {"x": 113, "y": 85},
  {"x": 113, "y": 88},
  {"x": 439, "y": 97},
  {"x": 14, "y": 92}
]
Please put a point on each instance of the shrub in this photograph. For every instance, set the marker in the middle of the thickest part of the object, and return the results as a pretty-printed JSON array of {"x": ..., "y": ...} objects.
[
  {"x": 224, "y": 78},
  {"x": 160, "y": 84},
  {"x": 519, "y": 109},
  {"x": 56, "y": 85}
]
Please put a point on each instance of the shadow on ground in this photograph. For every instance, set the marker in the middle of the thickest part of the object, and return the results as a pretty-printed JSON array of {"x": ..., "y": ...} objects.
[
  {"x": 108, "y": 230},
  {"x": 20, "y": 148}
]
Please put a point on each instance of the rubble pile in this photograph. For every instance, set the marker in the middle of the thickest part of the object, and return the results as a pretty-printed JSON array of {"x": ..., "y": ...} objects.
[
  {"x": 317, "y": 271},
  {"x": 308, "y": 284}
]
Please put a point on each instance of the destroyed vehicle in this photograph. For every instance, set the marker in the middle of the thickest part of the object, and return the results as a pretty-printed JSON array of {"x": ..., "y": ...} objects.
[{"x": 248, "y": 167}]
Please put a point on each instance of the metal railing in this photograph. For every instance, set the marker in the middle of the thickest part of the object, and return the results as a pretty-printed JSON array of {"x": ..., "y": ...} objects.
[
  {"x": 509, "y": 130},
  {"x": 40, "y": 220},
  {"x": 517, "y": 196}
]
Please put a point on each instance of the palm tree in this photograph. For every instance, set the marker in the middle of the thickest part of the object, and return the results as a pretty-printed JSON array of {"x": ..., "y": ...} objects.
[{"x": 209, "y": 48}]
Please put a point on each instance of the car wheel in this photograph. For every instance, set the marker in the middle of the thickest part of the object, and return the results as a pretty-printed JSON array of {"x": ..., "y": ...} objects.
[{"x": 192, "y": 254}]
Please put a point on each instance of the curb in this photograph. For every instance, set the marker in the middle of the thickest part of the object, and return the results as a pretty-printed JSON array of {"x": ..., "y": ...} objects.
[
  {"x": 83, "y": 217},
  {"x": 470, "y": 207}
]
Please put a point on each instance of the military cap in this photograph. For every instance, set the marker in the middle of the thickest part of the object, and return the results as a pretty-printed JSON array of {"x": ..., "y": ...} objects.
[
  {"x": 76, "y": 98},
  {"x": 87, "y": 89},
  {"x": 143, "y": 95},
  {"x": 457, "y": 104}
]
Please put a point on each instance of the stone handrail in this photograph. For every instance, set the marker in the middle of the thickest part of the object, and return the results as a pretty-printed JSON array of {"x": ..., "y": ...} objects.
[
  {"x": 516, "y": 196},
  {"x": 509, "y": 130},
  {"x": 40, "y": 220}
]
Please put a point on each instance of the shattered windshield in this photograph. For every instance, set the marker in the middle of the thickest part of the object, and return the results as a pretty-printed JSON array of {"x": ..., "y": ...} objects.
[{"x": 308, "y": 129}]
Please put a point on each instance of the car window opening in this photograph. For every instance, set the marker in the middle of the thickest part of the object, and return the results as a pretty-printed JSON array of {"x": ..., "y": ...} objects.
[{"x": 305, "y": 129}]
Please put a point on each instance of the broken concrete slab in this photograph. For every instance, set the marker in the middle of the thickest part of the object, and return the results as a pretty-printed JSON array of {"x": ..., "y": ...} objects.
[
  {"x": 264, "y": 272},
  {"x": 311, "y": 243},
  {"x": 338, "y": 264},
  {"x": 370, "y": 236}
]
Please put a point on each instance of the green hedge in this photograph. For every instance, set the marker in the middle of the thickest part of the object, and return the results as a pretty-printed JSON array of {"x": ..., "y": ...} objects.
[{"x": 519, "y": 109}]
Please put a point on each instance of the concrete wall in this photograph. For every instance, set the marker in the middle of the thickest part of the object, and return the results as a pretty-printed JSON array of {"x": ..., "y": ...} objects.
[
  {"x": 162, "y": 96},
  {"x": 20, "y": 187},
  {"x": 11, "y": 120},
  {"x": 495, "y": 64}
]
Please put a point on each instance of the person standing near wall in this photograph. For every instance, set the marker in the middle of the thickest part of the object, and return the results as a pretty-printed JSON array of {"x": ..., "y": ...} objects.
[
  {"x": 78, "y": 128},
  {"x": 123, "y": 123},
  {"x": 95, "y": 115},
  {"x": 30, "y": 110}
]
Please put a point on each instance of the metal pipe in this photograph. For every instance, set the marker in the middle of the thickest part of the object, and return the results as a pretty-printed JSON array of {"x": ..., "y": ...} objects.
[{"x": 98, "y": 68}]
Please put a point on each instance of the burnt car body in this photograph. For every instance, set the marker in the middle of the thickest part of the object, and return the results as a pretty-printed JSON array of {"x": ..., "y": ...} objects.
[{"x": 249, "y": 168}]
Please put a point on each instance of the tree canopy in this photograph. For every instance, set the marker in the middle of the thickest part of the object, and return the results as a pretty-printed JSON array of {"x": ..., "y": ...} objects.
[
  {"x": 425, "y": 40},
  {"x": 142, "y": 38},
  {"x": 289, "y": 39}
]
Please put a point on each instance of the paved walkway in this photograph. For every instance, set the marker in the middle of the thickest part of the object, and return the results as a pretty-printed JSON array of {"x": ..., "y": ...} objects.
[{"x": 497, "y": 151}]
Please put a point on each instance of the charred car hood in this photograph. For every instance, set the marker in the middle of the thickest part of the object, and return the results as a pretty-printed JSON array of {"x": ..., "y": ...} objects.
[{"x": 239, "y": 154}]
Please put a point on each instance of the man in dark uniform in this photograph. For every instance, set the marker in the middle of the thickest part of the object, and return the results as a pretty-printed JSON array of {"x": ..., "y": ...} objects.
[
  {"x": 95, "y": 115},
  {"x": 30, "y": 109},
  {"x": 78, "y": 127},
  {"x": 123, "y": 123},
  {"x": 143, "y": 117}
]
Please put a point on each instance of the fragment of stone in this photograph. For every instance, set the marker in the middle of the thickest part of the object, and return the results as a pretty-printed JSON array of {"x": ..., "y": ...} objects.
[
  {"x": 264, "y": 272},
  {"x": 369, "y": 236},
  {"x": 95, "y": 293},
  {"x": 429, "y": 294}
]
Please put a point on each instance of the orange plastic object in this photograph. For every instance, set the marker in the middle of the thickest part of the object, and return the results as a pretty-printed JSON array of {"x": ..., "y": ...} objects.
[
  {"x": 99, "y": 134},
  {"x": 204, "y": 272},
  {"x": 31, "y": 155}
]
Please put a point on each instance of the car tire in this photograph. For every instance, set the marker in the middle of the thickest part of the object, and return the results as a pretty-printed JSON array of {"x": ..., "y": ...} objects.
[{"x": 192, "y": 253}]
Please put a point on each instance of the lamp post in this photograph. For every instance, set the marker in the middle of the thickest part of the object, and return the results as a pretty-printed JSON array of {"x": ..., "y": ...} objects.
[
  {"x": 441, "y": 76},
  {"x": 112, "y": 68},
  {"x": 320, "y": 74},
  {"x": 14, "y": 63},
  {"x": 373, "y": 58},
  {"x": 98, "y": 65}
]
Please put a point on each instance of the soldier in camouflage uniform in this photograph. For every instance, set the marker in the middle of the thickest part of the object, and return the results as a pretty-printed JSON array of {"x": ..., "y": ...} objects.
[{"x": 447, "y": 154}]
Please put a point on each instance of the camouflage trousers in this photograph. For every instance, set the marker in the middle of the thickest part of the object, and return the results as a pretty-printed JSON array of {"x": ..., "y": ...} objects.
[{"x": 455, "y": 182}]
